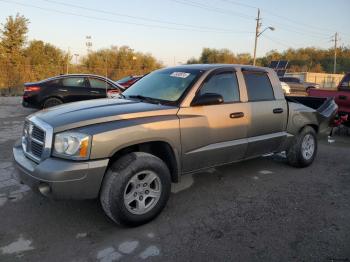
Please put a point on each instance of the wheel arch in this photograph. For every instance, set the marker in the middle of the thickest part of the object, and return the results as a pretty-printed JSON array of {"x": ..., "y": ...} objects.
[
  {"x": 160, "y": 149},
  {"x": 313, "y": 126}
]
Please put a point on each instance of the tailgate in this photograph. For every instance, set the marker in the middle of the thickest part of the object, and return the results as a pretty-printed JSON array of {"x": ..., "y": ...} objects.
[{"x": 327, "y": 111}]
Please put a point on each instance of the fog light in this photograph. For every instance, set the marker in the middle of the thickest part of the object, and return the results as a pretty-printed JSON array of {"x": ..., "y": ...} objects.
[{"x": 44, "y": 189}]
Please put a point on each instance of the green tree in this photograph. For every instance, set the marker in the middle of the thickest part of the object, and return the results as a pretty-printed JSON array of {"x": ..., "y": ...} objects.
[
  {"x": 224, "y": 56},
  {"x": 117, "y": 62},
  {"x": 43, "y": 60},
  {"x": 12, "y": 40}
]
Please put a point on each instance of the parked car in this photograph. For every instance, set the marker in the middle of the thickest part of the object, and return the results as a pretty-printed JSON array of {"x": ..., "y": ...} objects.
[
  {"x": 174, "y": 121},
  {"x": 341, "y": 96},
  {"x": 285, "y": 88},
  {"x": 128, "y": 81},
  {"x": 67, "y": 88},
  {"x": 298, "y": 86}
]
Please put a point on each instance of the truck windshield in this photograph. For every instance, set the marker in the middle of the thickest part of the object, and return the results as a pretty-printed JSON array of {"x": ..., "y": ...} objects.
[{"x": 166, "y": 85}]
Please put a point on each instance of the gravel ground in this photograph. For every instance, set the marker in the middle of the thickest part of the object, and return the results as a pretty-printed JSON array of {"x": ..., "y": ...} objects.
[{"x": 257, "y": 210}]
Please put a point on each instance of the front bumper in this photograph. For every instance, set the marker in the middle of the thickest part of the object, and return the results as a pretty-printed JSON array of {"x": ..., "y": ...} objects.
[{"x": 66, "y": 179}]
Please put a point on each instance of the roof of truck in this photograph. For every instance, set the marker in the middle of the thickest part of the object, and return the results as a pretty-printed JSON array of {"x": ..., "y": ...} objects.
[{"x": 207, "y": 67}]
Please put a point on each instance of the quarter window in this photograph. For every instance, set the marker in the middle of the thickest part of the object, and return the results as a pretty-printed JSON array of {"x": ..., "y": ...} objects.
[
  {"x": 224, "y": 84},
  {"x": 55, "y": 82},
  {"x": 74, "y": 81},
  {"x": 258, "y": 85}
]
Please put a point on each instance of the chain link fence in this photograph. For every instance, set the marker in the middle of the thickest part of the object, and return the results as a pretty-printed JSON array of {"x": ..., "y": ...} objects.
[{"x": 12, "y": 78}]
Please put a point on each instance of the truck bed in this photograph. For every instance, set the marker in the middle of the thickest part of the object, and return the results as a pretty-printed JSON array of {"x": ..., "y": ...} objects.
[
  {"x": 326, "y": 108},
  {"x": 313, "y": 102}
]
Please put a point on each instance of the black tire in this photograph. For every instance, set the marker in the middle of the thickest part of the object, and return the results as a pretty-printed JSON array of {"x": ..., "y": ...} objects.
[
  {"x": 53, "y": 101},
  {"x": 118, "y": 178},
  {"x": 295, "y": 154}
]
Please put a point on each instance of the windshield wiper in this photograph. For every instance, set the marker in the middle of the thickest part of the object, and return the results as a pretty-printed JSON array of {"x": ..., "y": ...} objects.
[{"x": 146, "y": 98}]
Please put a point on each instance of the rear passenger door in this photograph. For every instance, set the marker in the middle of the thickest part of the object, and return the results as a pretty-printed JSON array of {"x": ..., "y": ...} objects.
[
  {"x": 268, "y": 114},
  {"x": 98, "y": 87},
  {"x": 74, "y": 88}
]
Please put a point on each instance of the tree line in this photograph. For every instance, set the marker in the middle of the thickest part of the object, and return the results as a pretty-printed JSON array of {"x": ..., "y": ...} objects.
[
  {"x": 309, "y": 59},
  {"x": 22, "y": 61}
]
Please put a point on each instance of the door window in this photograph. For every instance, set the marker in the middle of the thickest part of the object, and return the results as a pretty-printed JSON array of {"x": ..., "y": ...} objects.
[
  {"x": 259, "y": 87},
  {"x": 74, "y": 81},
  {"x": 224, "y": 84},
  {"x": 98, "y": 83}
]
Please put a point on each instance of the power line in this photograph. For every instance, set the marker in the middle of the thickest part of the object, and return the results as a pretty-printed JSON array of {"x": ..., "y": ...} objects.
[
  {"x": 287, "y": 27},
  {"x": 134, "y": 17},
  {"x": 279, "y": 42},
  {"x": 213, "y": 9},
  {"x": 245, "y": 16},
  {"x": 320, "y": 29},
  {"x": 120, "y": 22}
]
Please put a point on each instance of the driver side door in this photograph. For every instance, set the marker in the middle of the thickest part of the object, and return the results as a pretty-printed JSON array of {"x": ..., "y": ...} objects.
[{"x": 214, "y": 134}]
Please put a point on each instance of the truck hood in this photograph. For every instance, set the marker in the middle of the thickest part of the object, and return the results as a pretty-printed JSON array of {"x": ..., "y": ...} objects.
[{"x": 84, "y": 113}]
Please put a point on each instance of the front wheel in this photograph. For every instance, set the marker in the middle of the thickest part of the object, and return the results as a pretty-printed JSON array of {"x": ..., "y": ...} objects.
[
  {"x": 135, "y": 189},
  {"x": 303, "y": 150}
]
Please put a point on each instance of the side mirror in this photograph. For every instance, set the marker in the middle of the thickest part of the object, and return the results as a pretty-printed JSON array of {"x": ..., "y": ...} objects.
[{"x": 208, "y": 99}]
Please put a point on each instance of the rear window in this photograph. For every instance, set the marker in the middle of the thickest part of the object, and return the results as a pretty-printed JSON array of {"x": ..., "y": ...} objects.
[
  {"x": 55, "y": 82},
  {"x": 258, "y": 85},
  {"x": 290, "y": 79}
]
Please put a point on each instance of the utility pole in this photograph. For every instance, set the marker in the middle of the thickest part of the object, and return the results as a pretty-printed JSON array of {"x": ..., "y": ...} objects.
[
  {"x": 67, "y": 69},
  {"x": 335, "y": 52},
  {"x": 258, "y": 25},
  {"x": 76, "y": 58}
]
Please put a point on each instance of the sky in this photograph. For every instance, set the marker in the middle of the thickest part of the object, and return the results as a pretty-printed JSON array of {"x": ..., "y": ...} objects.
[{"x": 175, "y": 30}]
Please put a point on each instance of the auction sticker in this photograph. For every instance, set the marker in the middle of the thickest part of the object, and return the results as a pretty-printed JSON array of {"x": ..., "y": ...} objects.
[{"x": 180, "y": 74}]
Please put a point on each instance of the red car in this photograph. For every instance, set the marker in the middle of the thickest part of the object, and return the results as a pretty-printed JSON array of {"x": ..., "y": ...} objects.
[
  {"x": 341, "y": 96},
  {"x": 126, "y": 82}
]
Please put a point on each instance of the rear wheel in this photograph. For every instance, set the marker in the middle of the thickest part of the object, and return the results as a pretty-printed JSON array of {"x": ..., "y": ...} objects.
[
  {"x": 53, "y": 101},
  {"x": 303, "y": 150},
  {"x": 135, "y": 189}
]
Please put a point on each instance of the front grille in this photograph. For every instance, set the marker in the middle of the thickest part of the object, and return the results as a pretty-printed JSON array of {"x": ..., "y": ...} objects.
[
  {"x": 37, "y": 149},
  {"x": 33, "y": 141},
  {"x": 38, "y": 134}
]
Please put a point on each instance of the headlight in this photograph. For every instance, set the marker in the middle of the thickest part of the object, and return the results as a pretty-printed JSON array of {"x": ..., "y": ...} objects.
[{"x": 72, "y": 145}]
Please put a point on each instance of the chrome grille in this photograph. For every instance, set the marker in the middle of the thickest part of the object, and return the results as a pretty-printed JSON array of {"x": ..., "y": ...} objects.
[
  {"x": 38, "y": 134},
  {"x": 37, "y": 149},
  {"x": 33, "y": 141}
]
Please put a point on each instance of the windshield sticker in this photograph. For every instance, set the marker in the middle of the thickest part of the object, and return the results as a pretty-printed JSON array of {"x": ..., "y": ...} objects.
[{"x": 180, "y": 74}]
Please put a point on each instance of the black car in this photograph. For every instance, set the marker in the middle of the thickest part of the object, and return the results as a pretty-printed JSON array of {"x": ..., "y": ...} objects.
[{"x": 67, "y": 88}]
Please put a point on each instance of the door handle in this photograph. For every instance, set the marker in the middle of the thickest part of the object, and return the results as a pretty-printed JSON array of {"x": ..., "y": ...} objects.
[
  {"x": 63, "y": 90},
  {"x": 95, "y": 92},
  {"x": 237, "y": 115},
  {"x": 342, "y": 97},
  {"x": 277, "y": 110}
]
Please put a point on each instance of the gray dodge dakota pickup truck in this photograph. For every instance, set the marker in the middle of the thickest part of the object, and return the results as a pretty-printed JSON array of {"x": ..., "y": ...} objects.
[{"x": 174, "y": 121}]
